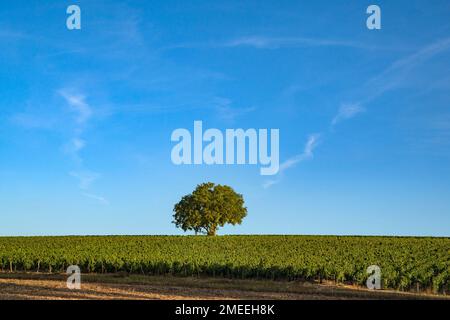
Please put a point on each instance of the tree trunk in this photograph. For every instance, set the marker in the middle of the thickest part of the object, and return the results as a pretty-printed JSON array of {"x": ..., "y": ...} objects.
[{"x": 212, "y": 230}]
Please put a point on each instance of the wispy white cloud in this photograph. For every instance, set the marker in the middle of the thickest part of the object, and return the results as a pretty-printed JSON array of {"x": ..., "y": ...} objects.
[
  {"x": 267, "y": 42},
  {"x": 85, "y": 178},
  {"x": 77, "y": 104},
  {"x": 228, "y": 113},
  {"x": 307, "y": 153},
  {"x": 396, "y": 74},
  {"x": 264, "y": 42},
  {"x": 420, "y": 56},
  {"x": 392, "y": 77},
  {"x": 267, "y": 184},
  {"x": 100, "y": 199},
  {"x": 347, "y": 111},
  {"x": 78, "y": 144},
  {"x": 73, "y": 147}
]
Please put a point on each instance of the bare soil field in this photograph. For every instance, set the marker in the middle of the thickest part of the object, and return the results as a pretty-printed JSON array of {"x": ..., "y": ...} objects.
[{"x": 117, "y": 287}]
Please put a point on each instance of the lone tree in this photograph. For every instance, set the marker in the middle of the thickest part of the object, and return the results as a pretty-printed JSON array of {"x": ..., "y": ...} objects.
[{"x": 209, "y": 207}]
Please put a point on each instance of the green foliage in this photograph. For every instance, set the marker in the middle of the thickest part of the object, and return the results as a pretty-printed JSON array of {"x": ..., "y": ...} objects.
[
  {"x": 406, "y": 263},
  {"x": 209, "y": 207}
]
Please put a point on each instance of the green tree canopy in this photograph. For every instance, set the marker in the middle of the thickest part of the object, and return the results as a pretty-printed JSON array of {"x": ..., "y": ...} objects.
[{"x": 210, "y": 206}]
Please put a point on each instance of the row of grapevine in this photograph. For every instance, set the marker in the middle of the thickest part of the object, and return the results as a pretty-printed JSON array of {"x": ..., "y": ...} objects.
[{"x": 406, "y": 263}]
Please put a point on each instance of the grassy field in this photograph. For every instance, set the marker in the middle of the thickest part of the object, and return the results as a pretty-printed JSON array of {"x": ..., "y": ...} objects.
[{"x": 408, "y": 264}]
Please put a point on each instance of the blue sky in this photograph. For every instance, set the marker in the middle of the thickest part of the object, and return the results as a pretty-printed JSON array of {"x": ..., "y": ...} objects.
[{"x": 86, "y": 115}]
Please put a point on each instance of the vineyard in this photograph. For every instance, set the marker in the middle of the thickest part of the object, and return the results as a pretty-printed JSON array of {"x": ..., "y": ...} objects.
[{"x": 406, "y": 263}]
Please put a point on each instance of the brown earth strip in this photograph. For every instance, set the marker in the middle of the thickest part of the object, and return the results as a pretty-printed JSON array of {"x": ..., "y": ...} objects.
[{"x": 51, "y": 286}]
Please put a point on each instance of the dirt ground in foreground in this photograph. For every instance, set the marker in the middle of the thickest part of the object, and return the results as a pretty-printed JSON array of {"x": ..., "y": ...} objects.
[{"x": 46, "y": 287}]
